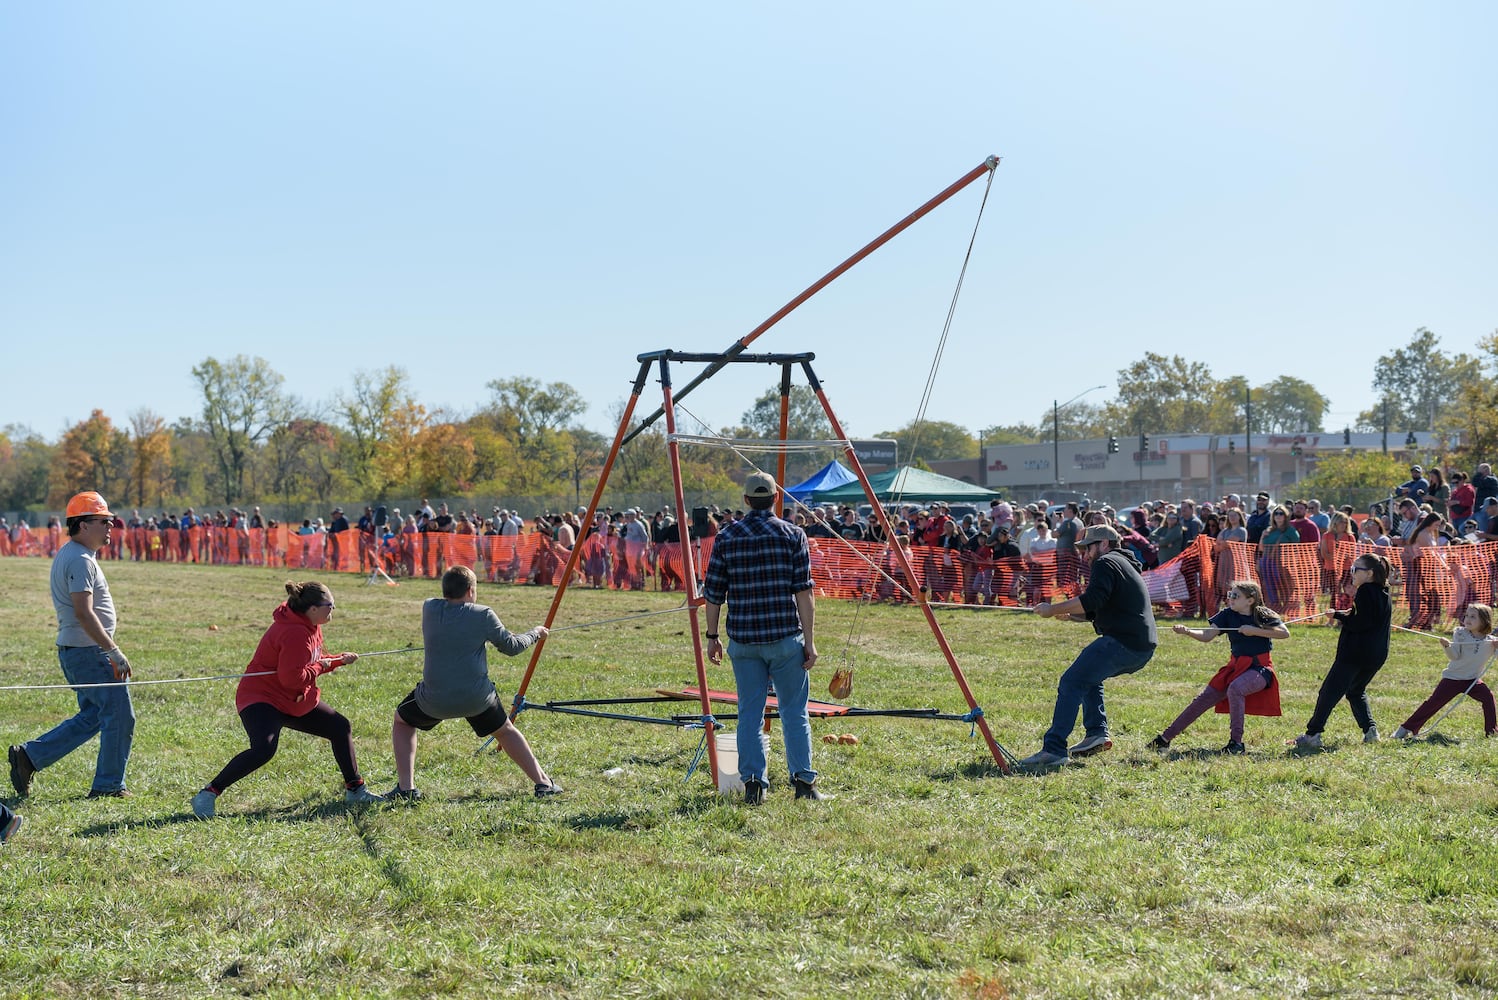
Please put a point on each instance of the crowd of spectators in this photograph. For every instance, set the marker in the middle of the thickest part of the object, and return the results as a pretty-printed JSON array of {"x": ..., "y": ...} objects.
[{"x": 1010, "y": 553}]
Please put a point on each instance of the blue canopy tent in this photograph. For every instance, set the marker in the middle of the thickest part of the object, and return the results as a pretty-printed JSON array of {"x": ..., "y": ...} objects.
[{"x": 828, "y": 477}]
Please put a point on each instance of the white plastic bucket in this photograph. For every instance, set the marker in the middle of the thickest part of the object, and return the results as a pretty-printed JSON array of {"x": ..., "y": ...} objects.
[{"x": 728, "y": 760}]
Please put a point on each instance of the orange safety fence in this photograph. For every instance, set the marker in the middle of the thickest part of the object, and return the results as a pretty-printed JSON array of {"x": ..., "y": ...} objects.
[{"x": 1433, "y": 585}]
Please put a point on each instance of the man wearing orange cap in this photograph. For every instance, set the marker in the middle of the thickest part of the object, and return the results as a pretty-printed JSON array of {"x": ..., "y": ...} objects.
[{"x": 88, "y": 654}]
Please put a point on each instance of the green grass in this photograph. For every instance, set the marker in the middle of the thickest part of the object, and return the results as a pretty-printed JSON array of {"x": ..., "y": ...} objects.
[{"x": 1358, "y": 871}]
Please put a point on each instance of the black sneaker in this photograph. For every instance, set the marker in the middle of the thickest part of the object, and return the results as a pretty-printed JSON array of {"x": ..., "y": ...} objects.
[
  {"x": 1234, "y": 747},
  {"x": 1159, "y": 743},
  {"x": 21, "y": 770},
  {"x": 808, "y": 790},
  {"x": 546, "y": 791},
  {"x": 409, "y": 794},
  {"x": 754, "y": 792},
  {"x": 116, "y": 793}
]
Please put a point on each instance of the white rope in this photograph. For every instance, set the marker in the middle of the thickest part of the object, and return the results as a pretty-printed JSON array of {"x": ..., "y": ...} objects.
[
  {"x": 772, "y": 445},
  {"x": 946, "y": 329},
  {"x": 732, "y": 445},
  {"x": 982, "y": 607},
  {"x": 625, "y": 618},
  {"x": 176, "y": 680},
  {"x": 112, "y": 684}
]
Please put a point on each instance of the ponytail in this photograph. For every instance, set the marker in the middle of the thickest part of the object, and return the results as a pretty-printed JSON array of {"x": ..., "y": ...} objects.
[{"x": 302, "y": 596}]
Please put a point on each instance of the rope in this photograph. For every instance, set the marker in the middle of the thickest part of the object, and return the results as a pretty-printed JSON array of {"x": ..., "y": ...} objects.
[
  {"x": 772, "y": 445},
  {"x": 111, "y": 684},
  {"x": 946, "y": 330},
  {"x": 625, "y": 618},
  {"x": 731, "y": 445},
  {"x": 982, "y": 607},
  {"x": 1415, "y": 631},
  {"x": 175, "y": 680}
]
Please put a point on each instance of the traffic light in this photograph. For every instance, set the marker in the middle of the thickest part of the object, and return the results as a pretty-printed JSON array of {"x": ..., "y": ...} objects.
[
  {"x": 1144, "y": 443},
  {"x": 1346, "y": 436},
  {"x": 1232, "y": 447},
  {"x": 1112, "y": 445},
  {"x": 1295, "y": 450},
  {"x": 1410, "y": 440}
]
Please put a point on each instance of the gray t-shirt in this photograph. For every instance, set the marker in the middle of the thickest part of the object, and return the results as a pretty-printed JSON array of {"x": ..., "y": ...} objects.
[
  {"x": 75, "y": 571},
  {"x": 455, "y": 680}
]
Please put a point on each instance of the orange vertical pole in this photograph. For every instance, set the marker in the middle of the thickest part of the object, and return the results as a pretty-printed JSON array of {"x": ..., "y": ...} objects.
[
  {"x": 908, "y": 570},
  {"x": 785, "y": 422},
  {"x": 603, "y": 478},
  {"x": 689, "y": 570}
]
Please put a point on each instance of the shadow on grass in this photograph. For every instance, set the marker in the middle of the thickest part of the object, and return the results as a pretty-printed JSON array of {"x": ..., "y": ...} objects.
[
  {"x": 973, "y": 769},
  {"x": 302, "y": 812}
]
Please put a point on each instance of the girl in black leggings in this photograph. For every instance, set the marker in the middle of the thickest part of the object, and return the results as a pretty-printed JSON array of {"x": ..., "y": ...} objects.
[
  {"x": 1362, "y": 649},
  {"x": 279, "y": 691}
]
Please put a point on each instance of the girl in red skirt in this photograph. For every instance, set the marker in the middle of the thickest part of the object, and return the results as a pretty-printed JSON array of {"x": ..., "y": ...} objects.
[{"x": 1246, "y": 684}]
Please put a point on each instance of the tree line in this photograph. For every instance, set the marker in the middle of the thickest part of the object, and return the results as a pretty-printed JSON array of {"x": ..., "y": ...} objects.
[{"x": 254, "y": 442}]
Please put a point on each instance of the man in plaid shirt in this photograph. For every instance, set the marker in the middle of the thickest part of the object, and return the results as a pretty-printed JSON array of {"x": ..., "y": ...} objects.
[{"x": 764, "y": 561}]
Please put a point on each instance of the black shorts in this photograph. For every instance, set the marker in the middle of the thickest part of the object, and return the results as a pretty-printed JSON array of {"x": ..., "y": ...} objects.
[{"x": 485, "y": 723}]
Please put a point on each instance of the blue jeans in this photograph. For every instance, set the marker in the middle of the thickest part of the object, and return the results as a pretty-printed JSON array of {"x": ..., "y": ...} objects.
[
  {"x": 106, "y": 711},
  {"x": 755, "y": 665},
  {"x": 1082, "y": 684}
]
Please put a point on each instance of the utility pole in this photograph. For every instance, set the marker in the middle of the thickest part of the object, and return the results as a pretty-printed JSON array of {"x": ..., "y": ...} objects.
[
  {"x": 1056, "y": 443},
  {"x": 1386, "y": 425},
  {"x": 1248, "y": 438}
]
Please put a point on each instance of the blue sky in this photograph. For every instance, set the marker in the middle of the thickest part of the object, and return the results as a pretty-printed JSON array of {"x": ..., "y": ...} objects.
[{"x": 479, "y": 191}]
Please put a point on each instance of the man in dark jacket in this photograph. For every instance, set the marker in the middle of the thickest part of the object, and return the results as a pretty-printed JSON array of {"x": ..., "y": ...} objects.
[{"x": 1117, "y": 603}]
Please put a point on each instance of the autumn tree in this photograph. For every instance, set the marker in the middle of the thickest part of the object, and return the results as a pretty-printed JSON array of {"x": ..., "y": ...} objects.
[
  {"x": 92, "y": 455},
  {"x": 932, "y": 441},
  {"x": 294, "y": 460},
  {"x": 150, "y": 443},
  {"x": 1360, "y": 478},
  {"x": 1010, "y": 434},
  {"x": 1421, "y": 385},
  {"x": 535, "y": 417},
  {"x": 25, "y": 458},
  {"x": 805, "y": 418},
  {"x": 1288, "y": 405},
  {"x": 242, "y": 405},
  {"x": 370, "y": 410},
  {"x": 1477, "y": 407},
  {"x": 444, "y": 461},
  {"x": 1162, "y": 395}
]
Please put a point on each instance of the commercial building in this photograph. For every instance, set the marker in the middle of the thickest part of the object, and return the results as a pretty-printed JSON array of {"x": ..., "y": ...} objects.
[{"x": 1172, "y": 466}]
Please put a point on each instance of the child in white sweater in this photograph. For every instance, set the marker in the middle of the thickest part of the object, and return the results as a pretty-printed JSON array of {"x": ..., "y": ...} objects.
[{"x": 1469, "y": 649}]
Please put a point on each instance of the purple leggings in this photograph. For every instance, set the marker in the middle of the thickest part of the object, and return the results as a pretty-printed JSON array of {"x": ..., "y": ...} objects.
[
  {"x": 1447, "y": 689},
  {"x": 1249, "y": 682}
]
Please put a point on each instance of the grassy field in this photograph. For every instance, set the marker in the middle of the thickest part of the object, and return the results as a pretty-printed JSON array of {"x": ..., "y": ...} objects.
[{"x": 1363, "y": 871}]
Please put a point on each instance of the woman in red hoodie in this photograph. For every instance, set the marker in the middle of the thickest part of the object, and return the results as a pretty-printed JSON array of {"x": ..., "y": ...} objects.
[{"x": 279, "y": 691}]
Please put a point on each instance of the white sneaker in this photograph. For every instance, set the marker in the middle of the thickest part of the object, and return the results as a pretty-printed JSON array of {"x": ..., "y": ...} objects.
[
  {"x": 1370, "y": 735},
  {"x": 1403, "y": 734},
  {"x": 1308, "y": 741},
  {"x": 204, "y": 803},
  {"x": 1091, "y": 745},
  {"x": 361, "y": 796},
  {"x": 1045, "y": 759}
]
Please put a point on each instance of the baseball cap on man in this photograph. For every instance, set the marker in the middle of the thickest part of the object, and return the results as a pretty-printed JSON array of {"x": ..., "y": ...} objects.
[
  {"x": 1491, "y": 502},
  {"x": 759, "y": 485},
  {"x": 1417, "y": 469},
  {"x": 1098, "y": 533},
  {"x": 86, "y": 503}
]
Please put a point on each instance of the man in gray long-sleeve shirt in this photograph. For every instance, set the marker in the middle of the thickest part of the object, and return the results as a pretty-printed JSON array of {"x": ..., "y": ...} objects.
[{"x": 455, "y": 681}]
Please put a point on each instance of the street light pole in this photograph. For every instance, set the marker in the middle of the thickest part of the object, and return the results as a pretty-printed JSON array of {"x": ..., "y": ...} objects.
[{"x": 1056, "y": 431}]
